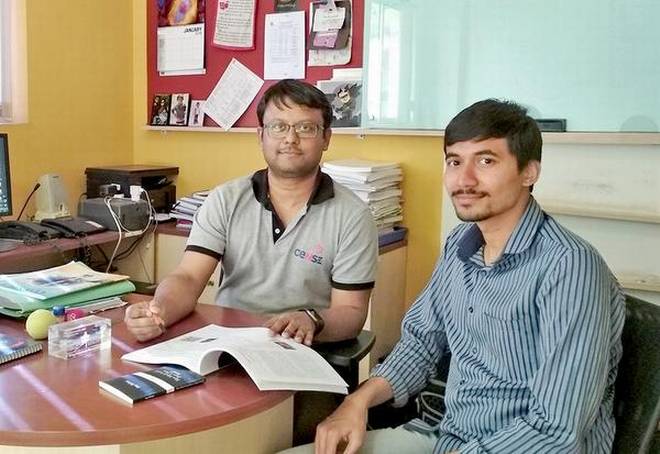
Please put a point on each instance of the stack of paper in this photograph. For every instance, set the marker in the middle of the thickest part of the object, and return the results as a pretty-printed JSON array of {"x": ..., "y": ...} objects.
[
  {"x": 73, "y": 284},
  {"x": 377, "y": 183},
  {"x": 185, "y": 208}
]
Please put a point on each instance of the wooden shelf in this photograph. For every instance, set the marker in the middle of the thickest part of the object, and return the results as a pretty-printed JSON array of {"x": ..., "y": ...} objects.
[
  {"x": 609, "y": 138},
  {"x": 361, "y": 132},
  {"x": 599, "y": 213},
  {"x": 648, "y": 283}
]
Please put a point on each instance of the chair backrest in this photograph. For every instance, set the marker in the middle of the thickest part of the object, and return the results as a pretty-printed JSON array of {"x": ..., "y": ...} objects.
[{"x": 637, "y": 400}]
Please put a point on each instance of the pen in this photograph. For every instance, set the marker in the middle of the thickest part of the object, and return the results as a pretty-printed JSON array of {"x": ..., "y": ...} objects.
[{"x": 159, "y": 320}]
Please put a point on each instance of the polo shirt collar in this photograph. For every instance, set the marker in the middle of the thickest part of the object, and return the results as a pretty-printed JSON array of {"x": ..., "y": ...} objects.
[
  {"x": 323, "y": 190},
  {"x": 520, "y": 240}
]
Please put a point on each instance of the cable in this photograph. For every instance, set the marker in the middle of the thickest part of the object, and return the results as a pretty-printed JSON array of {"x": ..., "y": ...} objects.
[
  {"x": 100, "y": 249},
  {"x": 119, "y": 231},
  {"x": 130, "y": 249},
  {"x": 36, "y": 186}
]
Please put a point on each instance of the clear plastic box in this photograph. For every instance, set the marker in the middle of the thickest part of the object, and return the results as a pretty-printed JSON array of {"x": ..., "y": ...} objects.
[{"x": 77, "y": 337}]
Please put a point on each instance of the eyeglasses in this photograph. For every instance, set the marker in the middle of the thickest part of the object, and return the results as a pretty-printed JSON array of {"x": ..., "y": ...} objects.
[{"x": 304, "y": 129}]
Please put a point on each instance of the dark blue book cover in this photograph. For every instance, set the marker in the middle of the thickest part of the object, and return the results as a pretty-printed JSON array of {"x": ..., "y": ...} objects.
[{"x": 145, "y": 385}]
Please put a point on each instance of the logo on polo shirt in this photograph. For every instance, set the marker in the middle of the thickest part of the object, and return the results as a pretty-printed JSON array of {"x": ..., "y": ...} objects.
[{"x": 313, "y": 255}]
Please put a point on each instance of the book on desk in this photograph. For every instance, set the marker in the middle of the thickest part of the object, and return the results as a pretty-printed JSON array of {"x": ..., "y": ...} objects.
[
  {"x": 13, "y": 347},
  {"x": 139, "y": 386},
  {"x": 272, "y": 361},
  {"x": 68, "y": 285}
]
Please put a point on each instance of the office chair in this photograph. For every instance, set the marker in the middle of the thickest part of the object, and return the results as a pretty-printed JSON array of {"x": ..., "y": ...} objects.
[
  {"x": 345, "y": 356},
  {"x": 310, "y": 408},
  {"x": 637, "y": 398}
]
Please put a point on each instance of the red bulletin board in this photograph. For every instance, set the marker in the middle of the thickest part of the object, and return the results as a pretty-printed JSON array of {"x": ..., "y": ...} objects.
[{"x": 217, "y": 59}]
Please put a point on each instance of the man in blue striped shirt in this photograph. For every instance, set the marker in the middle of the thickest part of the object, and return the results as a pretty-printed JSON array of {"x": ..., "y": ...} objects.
[{"x": 530, "y": 312}]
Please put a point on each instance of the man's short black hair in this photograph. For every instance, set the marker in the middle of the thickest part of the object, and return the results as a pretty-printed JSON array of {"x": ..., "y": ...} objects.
[
  {"x": 496, "y": 119},
  {"x": 297, "y": 92}
]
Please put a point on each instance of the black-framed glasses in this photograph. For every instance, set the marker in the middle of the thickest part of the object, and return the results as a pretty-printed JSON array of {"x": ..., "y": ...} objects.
[{"x": 304, "y": 129}]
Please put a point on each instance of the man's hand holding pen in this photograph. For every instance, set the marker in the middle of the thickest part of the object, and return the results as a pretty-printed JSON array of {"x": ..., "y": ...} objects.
[{"x": 146, "y": 320}]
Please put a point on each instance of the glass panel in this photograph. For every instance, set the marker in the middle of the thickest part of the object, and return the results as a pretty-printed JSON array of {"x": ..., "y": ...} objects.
[
  {"x": 593, "y": 62},
  {"x": 400, "y": 78}
]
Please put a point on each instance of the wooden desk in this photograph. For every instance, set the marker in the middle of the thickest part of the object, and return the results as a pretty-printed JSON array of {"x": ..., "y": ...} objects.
[
  {"x": 40, "y": 255},
  {"x": 50, "y": 405}
]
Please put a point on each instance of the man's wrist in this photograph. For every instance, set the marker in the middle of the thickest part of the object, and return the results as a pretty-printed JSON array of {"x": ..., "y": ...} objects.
[{"x": 316, "y": 318}]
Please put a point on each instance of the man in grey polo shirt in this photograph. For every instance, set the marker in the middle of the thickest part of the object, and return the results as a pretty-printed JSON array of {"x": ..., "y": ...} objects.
[{"x": 291, "y": 241}]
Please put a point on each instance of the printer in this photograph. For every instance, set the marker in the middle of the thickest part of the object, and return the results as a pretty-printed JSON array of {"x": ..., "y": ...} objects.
[{"x": 158, "y": 181}]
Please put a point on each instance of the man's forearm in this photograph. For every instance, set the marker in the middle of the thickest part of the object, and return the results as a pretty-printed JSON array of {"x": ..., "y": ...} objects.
[
  {"x": 341, "y": 323},
  {"x": 372, "y": 392},
  {"x": 178, "y": 295}
]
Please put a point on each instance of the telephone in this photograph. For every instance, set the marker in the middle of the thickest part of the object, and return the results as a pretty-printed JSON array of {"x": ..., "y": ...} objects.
[
  {"x": 71, "y": 227},
  {"x": 28, "y": 232}
]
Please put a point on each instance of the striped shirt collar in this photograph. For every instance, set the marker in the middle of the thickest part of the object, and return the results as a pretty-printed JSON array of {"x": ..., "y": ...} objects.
[{"x": 520, "y": 240}]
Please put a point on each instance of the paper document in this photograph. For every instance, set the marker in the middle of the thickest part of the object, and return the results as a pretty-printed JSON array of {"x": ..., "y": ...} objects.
[
  {"x": 284, "y": 46},
  {"x": 327, "y": 19},
  {"x": 232, "y": 94},
  {"x": 271, "y": 361},
  {"x": 181, "y": 50},
  {"x": 333, "y": 56},
  {"x": 234, "y": 24}
]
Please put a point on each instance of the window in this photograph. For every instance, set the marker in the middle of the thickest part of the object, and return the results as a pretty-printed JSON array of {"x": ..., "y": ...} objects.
[{"x": 13, "y": 62}]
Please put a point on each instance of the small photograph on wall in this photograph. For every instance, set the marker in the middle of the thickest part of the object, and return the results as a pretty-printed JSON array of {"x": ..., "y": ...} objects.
[
  {"x": 179, "y": 109},
  {"x": 160, "y": 110},
  {"x": 196, "y": 118},
  {"x": 180, "y": 12},
  {"x": 346, "y": 99}
]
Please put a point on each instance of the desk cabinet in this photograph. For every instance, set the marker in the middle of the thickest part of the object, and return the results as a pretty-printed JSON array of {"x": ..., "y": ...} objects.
[{"x": 387, "y": 304}]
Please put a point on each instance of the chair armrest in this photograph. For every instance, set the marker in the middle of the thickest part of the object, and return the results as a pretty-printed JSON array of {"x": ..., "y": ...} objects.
[{"x": 349, "y": 352}]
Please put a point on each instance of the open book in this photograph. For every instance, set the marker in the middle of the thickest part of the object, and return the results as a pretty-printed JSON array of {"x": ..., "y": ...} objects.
[{"x": 272, "y": 362}]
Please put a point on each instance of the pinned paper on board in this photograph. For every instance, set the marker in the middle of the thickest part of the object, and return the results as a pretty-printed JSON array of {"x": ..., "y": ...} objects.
[
  {"x": 180, "y": 37},
  {"x": 232, "y": 95},
  {"x": 234, "y": 24},
  {"x": 285, "y": 6},
  {"x": 284, "y": 46},
  {"x": 330, "y": 46},
  {"x": 180, "y": 12},
  {"x": 181, "y": 50}
]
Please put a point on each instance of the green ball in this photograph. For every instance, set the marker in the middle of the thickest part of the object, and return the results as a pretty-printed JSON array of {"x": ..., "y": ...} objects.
[{"x": 38, "y": 322}]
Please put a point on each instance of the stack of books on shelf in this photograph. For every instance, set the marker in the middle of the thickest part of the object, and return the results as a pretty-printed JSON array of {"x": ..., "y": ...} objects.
[
  {"x": 377, "y": 183},
  {"x": 70, "y": 285},
  {"x": 185, "y": 208}
]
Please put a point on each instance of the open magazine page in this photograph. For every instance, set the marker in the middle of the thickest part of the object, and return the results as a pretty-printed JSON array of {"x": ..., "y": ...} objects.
[
  {"x": 274, "y": 362},
  {"x": 271, "y": 361},
  {"x": 60, "y": 280},
  {"x": 197, "y": 350}
]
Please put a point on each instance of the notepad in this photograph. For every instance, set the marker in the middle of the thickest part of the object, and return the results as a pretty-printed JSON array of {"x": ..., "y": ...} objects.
[{"x": 12, "y": 347}]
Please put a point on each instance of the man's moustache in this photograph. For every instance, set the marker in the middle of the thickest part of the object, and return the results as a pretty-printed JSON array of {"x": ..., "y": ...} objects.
[{"x": 468, "y": 192}]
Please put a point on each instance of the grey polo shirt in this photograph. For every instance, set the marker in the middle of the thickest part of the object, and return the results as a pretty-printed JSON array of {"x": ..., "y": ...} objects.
[{"x": 331, "y": 243}]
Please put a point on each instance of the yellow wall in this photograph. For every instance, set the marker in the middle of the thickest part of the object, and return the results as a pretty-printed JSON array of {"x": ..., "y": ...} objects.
[
  {"x": 87, "y": 107},
  {"x": 80, "y": 79},
  {"x": 207, "y": 159}
]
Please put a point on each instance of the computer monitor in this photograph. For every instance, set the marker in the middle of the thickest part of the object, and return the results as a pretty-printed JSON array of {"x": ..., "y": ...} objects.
[{"x": 5, "y": 183}]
